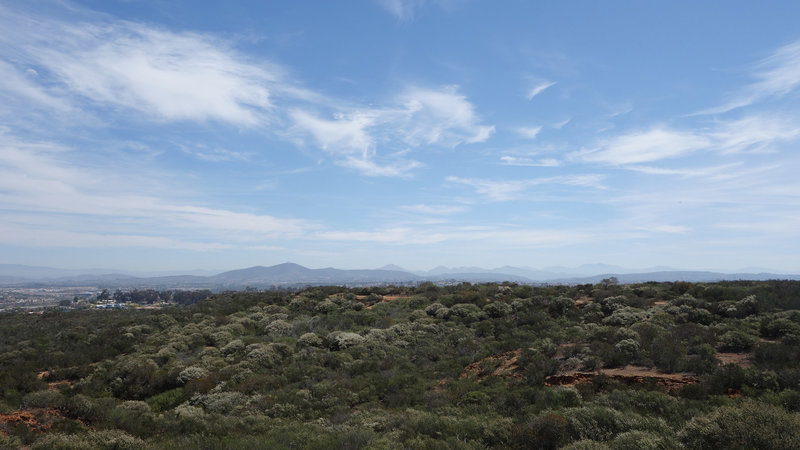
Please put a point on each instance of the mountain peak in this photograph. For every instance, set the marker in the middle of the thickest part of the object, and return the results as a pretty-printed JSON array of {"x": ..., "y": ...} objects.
[{"x": 392, "y": 267}]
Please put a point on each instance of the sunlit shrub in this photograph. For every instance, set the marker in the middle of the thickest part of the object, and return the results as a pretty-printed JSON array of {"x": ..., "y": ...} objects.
[
  {"x": 736, "y": 341},
  {"x": 625, "y": 316},
  {"x": 224, "y": 402},
  {"x": 340, "y": 340},
  {"x": 497, "y": 309},
  {"x": 279, "y": 327},
  {"x": 643, "y": 440},
  {"x": 746, "y": 425},
  {"x": 310, "y": 340},
  {"x": 100, "y": 439},
  {"x": 232, "y": 347},
  {"x": 433, "y": 308},
  {"x": 191, "y": 373}
]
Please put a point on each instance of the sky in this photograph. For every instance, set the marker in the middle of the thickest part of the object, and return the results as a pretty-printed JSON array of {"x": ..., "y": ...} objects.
[{"x": 175, "y": 135}]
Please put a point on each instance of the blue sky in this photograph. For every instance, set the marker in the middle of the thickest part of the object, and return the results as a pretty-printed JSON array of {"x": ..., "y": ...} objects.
[{"x": 169, "y": 135}]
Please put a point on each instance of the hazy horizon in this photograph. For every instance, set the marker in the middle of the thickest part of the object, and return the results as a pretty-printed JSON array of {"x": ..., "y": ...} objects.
[{"x": 156, "y": 136}]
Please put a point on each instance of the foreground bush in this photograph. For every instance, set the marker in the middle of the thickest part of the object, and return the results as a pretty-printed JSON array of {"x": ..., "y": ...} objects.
[{"x": 747, "y": 425}]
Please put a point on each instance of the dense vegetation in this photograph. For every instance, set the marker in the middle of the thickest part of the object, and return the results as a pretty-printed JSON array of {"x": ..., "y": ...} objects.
[{"x": 467, "y": 366}]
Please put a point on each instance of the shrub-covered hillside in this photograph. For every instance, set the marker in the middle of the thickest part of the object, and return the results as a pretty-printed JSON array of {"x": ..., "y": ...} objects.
[{"x": 657, "y": 365}]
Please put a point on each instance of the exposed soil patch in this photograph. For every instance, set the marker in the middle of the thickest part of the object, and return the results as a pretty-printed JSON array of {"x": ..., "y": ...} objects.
[
  {"x": 627, "y": 375},
  {"x": 54, "y": 385},
  {"x": 583, "y": 301},
  {"x": 661, "y": 303},
  {"x": 502, "y": 365},
  {"x": 568, "y": 349},
  {"x": 385, "y": 299},
  {"x": 740, "y": 359},
  {"x": 38, "y": 419}
]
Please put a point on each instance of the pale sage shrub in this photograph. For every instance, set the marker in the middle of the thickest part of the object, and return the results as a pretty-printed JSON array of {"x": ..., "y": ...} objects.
[
  {"x": 279, "y": 327},
  {"x": 310, "y": 340},
  {"x": 340, "y": 340},
  {"x": 191, "y": 373}
]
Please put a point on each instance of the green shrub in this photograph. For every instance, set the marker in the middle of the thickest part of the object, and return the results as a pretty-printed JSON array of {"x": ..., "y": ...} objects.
[
  {"x": 100, "y": 439},
  {"x": 643, "y": 440},
  {"x": 743, "y": 426},
  {"x": 737, "y": 341}
]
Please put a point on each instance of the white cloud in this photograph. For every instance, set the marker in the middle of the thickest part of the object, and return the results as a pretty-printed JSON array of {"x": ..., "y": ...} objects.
[
  {"x": 370, "y": 168},
  {"x": 754, "y": 133},
  {"x": 343, "y": 134},
  {"x": 776, "y": 75},
  {"x": 529, "y": 162},
  {"x": 162, "y": 74},
  {"x": 496, "y": 235},
  {"x": 435, "y": 210},
  {"x": 528, "y": 132},
  {"x": 218, "y": 154},
  {"x": 713, "y": 173},
  {"x": 104, "y": 69},
  {"x": 417, "y": 117},
  {"x": 41, "y": 186},
  {"x": 510, "y": 189},
  {"x": 442, "y": 117},
  {"x": 17, "y": 83},
  {"x": 538, "y": 89},
  {"x": 669, "y": 229},
  {"x": 399, "y": 236},
  {"x": 405, "y": 10},
  {"x": 652, "y": 145}
]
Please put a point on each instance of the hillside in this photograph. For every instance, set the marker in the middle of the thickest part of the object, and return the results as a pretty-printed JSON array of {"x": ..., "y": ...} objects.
[{"x": 657, "y": 365}]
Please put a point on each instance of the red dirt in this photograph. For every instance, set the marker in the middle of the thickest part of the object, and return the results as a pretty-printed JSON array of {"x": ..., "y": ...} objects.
[
  {"x": 740, "y": 359},
  {"x": 505, "y": 366},
  {"x": 38, "y": 419},
  {"x": 385, "y": 299},
  {"x": 627, "y": 375},
  {"x": 54, "y": 385}
]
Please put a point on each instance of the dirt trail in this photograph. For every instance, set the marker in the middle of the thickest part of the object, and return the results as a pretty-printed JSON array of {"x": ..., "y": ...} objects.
[
  {"x": 385, "y": 299},
  {"x": 628, "y": 375}
]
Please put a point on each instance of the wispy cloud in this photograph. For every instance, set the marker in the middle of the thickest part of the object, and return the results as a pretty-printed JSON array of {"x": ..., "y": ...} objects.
[
  {"x": 434, "y": 210},
  {"x": 217, "y": 154},
  {"x": 538, "y": 88},
  {"x": 652, "y": 145},
  {"x": 776, "y": 76},
  {"x": 344, "y": 133},
  {"x": 417, "y": 117},
  {"x": 159, "y": 73},
  {"x": 714, "y": 172},
  {"x": 17, "y": 83},
  {"x": 753, "y": 133},
  {"x": 405, "y": 10},
  {"x": 505, "y": 190},
  {"x": 529, "y": 162},
  {"x": 368, "y": 167},
  {"x": 496, "y": 235},
  {"x": 529, "y": 132},
  {"x": 442, "y": 116},
  {"x": 40, "y": 186}
]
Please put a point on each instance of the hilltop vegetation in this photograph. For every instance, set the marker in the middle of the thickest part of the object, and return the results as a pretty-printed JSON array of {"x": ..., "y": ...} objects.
[{"x": 656, "y": 365}]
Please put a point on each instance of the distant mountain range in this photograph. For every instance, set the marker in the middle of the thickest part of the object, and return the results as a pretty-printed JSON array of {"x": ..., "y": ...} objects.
[{"x": 290, "y": 274}]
